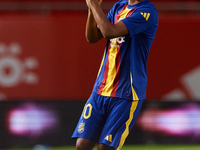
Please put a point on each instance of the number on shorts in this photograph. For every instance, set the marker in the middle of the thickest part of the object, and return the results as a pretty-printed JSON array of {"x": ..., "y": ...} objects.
[{"x": 88, "y": 106}]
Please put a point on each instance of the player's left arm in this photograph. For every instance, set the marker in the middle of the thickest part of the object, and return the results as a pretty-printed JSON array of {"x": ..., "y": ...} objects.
[{"x": 107, "y": 29}]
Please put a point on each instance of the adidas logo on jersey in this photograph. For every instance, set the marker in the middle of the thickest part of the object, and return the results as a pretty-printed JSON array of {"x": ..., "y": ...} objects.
[
  {"x": 145, "y": 15},
  {"x": 109, "y": 138}
]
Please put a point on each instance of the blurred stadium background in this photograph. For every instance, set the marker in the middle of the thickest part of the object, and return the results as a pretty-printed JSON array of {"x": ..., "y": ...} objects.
[{"x": 47, "y": 71}]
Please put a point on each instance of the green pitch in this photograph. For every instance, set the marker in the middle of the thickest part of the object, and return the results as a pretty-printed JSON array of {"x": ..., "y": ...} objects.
[{"x": 137, "y": 147}]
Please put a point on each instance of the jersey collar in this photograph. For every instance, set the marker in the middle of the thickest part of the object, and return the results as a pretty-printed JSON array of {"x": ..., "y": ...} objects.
[{"x": 136, "y": 5}]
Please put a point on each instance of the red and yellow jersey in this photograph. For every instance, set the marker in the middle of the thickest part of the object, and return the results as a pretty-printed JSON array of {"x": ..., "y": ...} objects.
[{"x": 123, "y": 71}]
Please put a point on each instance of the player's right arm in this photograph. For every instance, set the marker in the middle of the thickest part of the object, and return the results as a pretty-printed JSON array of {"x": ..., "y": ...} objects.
[{"x": 92, "y": 32}]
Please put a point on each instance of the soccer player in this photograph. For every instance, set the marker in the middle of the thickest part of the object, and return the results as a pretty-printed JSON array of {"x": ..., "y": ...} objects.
[{"x": 120, "y": 87}]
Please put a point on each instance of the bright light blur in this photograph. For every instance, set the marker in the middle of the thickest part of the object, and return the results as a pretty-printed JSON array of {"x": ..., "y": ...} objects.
[
  {"x": 184, "y": 120},
  {"x": 31, "y": 119}
]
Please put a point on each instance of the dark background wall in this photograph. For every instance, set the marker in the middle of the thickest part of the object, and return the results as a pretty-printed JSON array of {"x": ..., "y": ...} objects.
[{"x": 47, "y": 57}]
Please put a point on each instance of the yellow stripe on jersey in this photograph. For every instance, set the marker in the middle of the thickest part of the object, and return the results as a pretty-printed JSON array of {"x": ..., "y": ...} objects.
[
  {"x": 112, "y": 69},
  {"x": 102, "y": 62},
  {"x": 126, "y": 131},
  {"x": 135, "y": 97},
  {"x": 124, "y": 14},
  {"x": 112, "y": 60}
]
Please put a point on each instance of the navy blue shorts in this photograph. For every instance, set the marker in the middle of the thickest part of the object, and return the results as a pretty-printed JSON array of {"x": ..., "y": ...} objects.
[{"x": 107, "y": 120}]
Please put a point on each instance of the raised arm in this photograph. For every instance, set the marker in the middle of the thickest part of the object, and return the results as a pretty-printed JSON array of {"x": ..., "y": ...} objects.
[
  {"x": 108, "y": 30},
  {"x": 92, "y": 32}
]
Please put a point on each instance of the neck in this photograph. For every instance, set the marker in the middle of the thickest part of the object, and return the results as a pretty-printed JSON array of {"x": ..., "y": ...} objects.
[{"x": 132, "y": 2}]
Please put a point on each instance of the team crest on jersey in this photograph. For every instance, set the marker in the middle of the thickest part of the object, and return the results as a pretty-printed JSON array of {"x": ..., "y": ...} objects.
[{"x": 81, "y": 127}]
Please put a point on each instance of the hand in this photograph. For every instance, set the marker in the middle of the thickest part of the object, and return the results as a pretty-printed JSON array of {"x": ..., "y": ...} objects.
[
  {"x": 89, "y": 1},
  {"x": 100, "y": 1}
]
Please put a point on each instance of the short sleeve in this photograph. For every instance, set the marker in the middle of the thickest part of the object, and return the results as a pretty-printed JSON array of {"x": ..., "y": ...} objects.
[
  {"x": 109, "y": 15},
  {"x": 139, "y": 21}
]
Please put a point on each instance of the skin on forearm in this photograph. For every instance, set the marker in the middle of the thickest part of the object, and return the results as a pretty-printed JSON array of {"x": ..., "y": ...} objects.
[
  {"x": 92, "y": 33},
  {"x": 108, "y": 29}
]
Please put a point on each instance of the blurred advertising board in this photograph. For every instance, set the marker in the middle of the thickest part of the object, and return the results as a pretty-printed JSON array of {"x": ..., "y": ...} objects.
[{"x": 29, "y": 123}]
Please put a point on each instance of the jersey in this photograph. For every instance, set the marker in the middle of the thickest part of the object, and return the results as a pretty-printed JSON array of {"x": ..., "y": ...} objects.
[{"x": 123, "y": 69}]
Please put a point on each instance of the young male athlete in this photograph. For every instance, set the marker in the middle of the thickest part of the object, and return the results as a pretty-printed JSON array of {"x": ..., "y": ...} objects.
[{"x": 120, "y": 87}]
